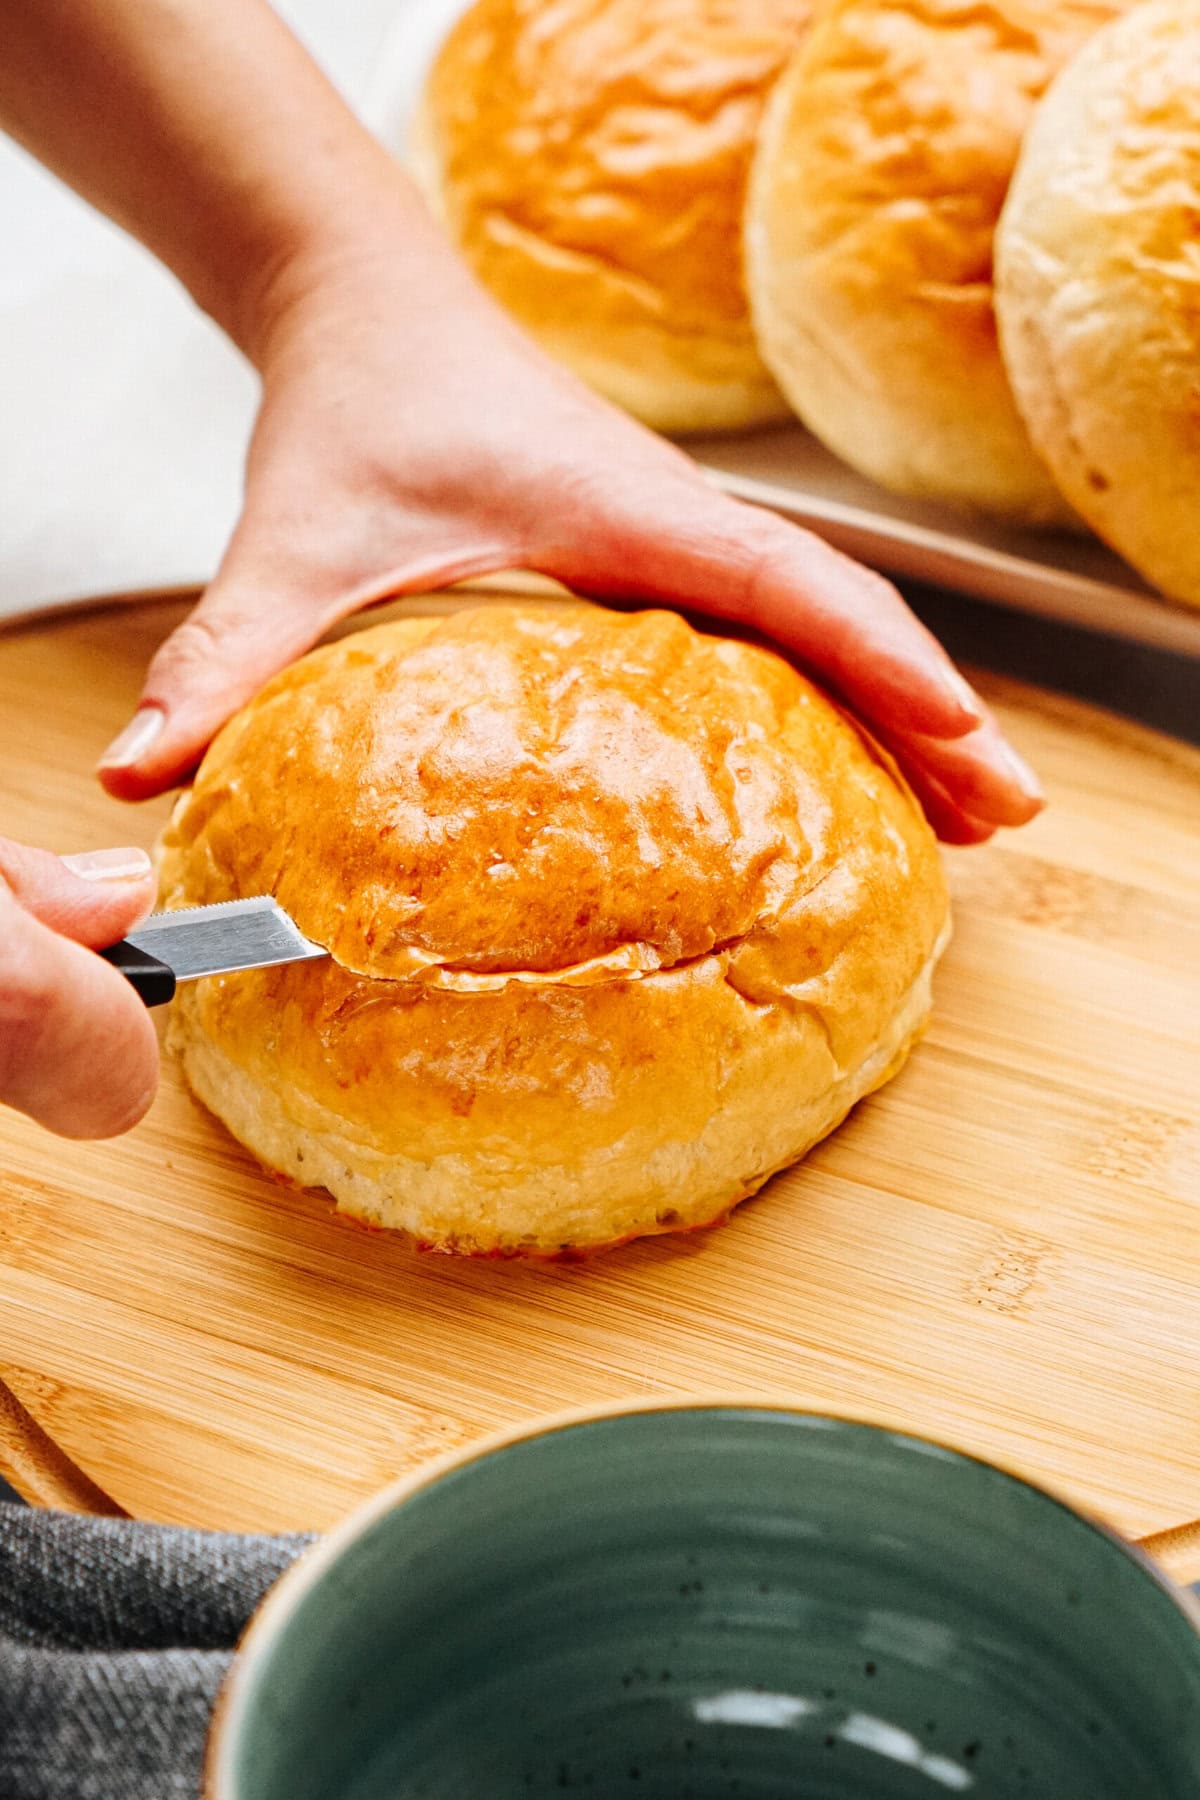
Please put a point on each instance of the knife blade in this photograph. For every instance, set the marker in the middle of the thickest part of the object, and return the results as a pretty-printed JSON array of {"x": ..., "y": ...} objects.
[{"x": 196, "y": 941}]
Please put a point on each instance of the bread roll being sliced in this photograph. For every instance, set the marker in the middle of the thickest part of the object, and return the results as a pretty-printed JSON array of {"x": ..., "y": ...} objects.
[
  {"x": 622, "y": 918},
  {"x": 1098, "y": 288},
  {"x": 883, "y": 161},
  {"x": 589, "y": 158}
]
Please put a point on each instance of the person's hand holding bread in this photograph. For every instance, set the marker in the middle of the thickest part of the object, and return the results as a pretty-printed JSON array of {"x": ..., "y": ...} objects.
[{"x": 409, "y": 435}]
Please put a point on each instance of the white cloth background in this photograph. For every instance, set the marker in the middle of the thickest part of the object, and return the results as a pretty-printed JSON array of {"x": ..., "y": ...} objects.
[{"x": 123, "y": 412}]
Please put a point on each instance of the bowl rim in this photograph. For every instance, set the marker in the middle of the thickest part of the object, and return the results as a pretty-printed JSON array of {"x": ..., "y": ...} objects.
[{"x": 278, "y": 1606}]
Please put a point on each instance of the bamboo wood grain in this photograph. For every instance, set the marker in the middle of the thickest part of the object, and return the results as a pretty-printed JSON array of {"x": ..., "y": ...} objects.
[
  {"x": 1001, "y": 1249},
  {"x": 39, "y": 1470}
]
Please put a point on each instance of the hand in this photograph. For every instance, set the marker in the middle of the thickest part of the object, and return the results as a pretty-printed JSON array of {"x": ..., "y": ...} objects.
[
  {"x": 77, "y": 1049},
  {"x": 409, "y": 436}
]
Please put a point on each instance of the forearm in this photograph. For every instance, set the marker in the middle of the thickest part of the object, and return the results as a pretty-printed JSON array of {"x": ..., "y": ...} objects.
[{"x": 203, "y": 128}]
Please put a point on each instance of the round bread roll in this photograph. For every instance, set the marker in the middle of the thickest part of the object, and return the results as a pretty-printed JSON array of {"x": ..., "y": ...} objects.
[
  {"x": 1098, "y": 272},
  {"x": 883, "y": 160},
  {"x": 590, "y": 161},
  {"x": 622, "y": 918}
]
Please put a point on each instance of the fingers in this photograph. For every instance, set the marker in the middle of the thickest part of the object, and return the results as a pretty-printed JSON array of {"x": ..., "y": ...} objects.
[
  {"x": 94, "y": 897},
  {"x": 77, "y": 1049},
  {"x": 843, "y": 622},
  {"x": 695, "y": 548},
  {"x": 980, "y": 774},
  {"x": 950, "y": 821},
  {"x": 850, "y": 625}
]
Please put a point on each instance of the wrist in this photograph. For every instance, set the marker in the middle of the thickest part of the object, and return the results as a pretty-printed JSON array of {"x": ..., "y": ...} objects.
[{"x": 373, "y": 237}]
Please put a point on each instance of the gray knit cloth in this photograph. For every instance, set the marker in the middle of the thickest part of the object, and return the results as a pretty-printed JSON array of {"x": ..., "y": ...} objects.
[{"x": 114, "y": 1639}]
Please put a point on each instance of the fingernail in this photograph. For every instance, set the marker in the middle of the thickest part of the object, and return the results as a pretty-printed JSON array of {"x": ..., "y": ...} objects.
[
  {"x": 129, "y": 746},
  {"x": 963, "y": 692},
  {"x": 1020, "y": 771},
  {"x": 128, "y": 864}
]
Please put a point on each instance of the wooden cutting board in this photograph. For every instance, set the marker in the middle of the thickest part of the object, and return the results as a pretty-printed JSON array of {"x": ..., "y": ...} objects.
[{"x": 1002, "y": 1249}]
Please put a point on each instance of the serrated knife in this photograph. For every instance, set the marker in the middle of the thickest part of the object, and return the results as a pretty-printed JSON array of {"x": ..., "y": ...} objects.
[{"x": 223, "y": 939}]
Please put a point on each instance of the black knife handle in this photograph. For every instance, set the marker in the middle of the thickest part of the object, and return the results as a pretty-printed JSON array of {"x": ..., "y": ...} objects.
[{"x": 152, "y": 980}]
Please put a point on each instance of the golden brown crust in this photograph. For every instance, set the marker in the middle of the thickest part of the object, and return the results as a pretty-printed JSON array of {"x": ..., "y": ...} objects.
[
  {"x": 512, "y": 1127},
  {"x": 1097, "y": 272},
  {"x": 646, "y": 788},
  {"x": 882, "y": 166},
  {"x": 512, "y": 790},
  {"x": 590, "y": 160}
]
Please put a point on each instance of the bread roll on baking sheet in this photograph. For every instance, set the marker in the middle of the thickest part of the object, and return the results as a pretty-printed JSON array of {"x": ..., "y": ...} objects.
[
  {"x": 589, "y": 158},
  {"x": 1098, "y": 289},
  {"x": 885, "y": 153}
]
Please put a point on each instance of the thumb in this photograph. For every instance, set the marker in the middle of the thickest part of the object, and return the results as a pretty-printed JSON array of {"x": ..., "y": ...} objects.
[
  {"x": 77, "y": 1050},
  {"x": 266, "y": 607},
  {"x": 94, "y": 897},
  {"x": 231, "y": 642}
]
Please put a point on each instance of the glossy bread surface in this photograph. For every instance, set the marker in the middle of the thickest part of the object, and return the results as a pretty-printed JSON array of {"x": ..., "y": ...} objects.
[{"x": 623, "y": 918}]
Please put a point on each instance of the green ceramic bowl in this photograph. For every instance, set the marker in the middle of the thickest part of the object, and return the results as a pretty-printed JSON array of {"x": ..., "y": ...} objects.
[{"x": 713, "y": 1601}]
